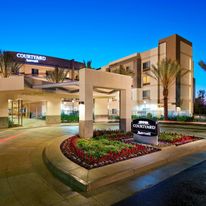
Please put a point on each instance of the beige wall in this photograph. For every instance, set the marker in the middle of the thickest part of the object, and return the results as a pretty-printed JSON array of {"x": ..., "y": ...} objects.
[
  {"x": 3, "y": 105},
  {"x": 101, "y": 106},
  {"x": 12, "y": 83},
  {"x": 53, "y": 107},
  {"x": 27, "y": 69},
  {"x": 187, "y": 80}
]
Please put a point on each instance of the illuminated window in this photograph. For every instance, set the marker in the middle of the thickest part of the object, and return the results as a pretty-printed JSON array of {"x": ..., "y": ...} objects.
[
  {"x": 146, "y": 80},
  {"x": 146, "y": 94}
]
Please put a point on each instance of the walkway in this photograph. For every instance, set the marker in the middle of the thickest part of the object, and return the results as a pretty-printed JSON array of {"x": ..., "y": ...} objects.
[{"x": 25, "y": 180}]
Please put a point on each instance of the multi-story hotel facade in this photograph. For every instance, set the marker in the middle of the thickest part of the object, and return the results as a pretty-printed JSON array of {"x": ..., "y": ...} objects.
[
  {"x": 147, "y": 94},
  {"x": 30, "y": 94}
]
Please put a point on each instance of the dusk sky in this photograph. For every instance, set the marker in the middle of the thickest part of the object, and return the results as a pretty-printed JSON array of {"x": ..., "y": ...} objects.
[{"x": 101, "y": 30}]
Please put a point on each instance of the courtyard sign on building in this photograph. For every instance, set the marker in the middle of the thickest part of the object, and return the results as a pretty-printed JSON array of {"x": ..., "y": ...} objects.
[{"x": 30, "y": 57}]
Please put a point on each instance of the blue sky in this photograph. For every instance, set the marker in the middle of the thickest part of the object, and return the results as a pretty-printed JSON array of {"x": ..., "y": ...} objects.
[{"x": 101, "y": 30}]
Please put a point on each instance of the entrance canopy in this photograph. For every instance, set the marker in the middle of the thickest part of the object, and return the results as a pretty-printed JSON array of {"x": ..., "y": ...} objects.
[{"x": 91, "y": 79}]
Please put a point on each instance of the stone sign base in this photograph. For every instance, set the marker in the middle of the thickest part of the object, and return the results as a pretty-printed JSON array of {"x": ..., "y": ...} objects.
[{"x": 146, "y": 140}]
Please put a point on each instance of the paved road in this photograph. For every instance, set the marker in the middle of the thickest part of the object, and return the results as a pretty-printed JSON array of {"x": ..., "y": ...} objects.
[
  {"x": 25, "y": 180},
  {"x": 187, "y": 188}
]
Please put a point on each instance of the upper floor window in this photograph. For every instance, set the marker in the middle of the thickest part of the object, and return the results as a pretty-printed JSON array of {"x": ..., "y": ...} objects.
[
  {"x": 35, "y": 72},
  {"x": 146, "y": 94},
  {"x": 146, "y": 65},
  {"x": 127, "y": 68},
  {"x": 146, "y": 80}
]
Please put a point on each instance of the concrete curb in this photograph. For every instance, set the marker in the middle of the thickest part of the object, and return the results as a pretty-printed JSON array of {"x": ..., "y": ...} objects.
[
  {"x": 86, "y": 180},
  {"x": 188, "y": 125}
]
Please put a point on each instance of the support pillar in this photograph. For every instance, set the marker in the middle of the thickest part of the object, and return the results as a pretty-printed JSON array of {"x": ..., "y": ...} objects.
[
  {"x": 125, "y": 110},
  {"x": 85, "y": 107},
  {"x": 53, "y": 111},
  {"x": 4, "y": 120}
]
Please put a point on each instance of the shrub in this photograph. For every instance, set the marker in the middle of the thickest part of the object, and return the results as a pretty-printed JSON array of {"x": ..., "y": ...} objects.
[
  {"x": 185, "y": 118},
  {"x": 10, "y": 123},
  {"x": 149, "y": 116},
  {"x": 74, "y": 117},
  {"x": 169, "y": 137},
  {"x": 101, "y": 146}
]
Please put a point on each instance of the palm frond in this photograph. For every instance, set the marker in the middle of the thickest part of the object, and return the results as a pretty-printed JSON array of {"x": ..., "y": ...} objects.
[
  {"x": 57, "y": 75},
  {"x": 166, "y": 72},
  {"x": 8, "y": 65},
  {"x": 87, "y": 64},
  {"x": 202, "y": 65}
]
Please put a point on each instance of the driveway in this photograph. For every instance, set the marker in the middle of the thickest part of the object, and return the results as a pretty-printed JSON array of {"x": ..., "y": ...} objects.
[
  {"x": 25, "y": 180},
  {"x": 187, "y": 188}
]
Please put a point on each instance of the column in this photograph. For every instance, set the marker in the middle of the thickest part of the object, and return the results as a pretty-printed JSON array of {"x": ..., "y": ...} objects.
[
  {"x": 125, "y": 110},
  {"x": 85, "y": 107},
  {"x": 53, "y": 111},
  {"x": 3, "y": 111}
]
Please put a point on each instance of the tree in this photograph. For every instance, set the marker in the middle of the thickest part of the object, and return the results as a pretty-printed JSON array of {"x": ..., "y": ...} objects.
[
  {"x": 122, "y": 70},
  {"x": 8, "y": 65},
  {"x": 15, "y": 67},
  {"x": 202, "y": 65},
  {"x": 88, "y": 64},
  {"x": 200, "y": 103},
  {"x": 57, "y": 75},
  {"x": 166, "y": 73}
]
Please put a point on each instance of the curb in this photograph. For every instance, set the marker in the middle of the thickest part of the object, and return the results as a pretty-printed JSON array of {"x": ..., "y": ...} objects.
[{"x": 87, "y": 180}]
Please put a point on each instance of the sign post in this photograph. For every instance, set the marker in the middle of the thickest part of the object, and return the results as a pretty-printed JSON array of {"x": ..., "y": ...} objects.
[{"x": 145, "y": 131}]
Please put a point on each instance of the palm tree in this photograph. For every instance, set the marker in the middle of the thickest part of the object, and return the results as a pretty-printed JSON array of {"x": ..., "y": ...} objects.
[
  {"x": 166, "y": 73},
  {"x": 8, "y": 65},
  {"x": 57, "y": 75},
  {"x": 202, "y": 65},
  {"x": 88, "y": 64},
  {"x": 122, "y": 70},
  {"x": 15, "y": 67}
]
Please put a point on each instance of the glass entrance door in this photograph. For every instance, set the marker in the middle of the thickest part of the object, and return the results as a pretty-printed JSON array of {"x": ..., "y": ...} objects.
[{"x": 15, "y": 113}]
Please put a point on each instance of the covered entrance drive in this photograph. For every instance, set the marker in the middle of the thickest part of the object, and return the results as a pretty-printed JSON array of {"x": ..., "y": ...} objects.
[
  {"x": 91, "y": 79},
  {"x": 95, "y": 97}
]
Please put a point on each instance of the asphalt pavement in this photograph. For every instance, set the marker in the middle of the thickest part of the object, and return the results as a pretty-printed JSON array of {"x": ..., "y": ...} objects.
[{"x": 187, "y": 188}]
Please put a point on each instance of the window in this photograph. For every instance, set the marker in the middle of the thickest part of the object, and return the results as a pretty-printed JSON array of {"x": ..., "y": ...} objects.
[
  {"x": 114, "y": 111},
  {"x": 146, "y": 65},
  {"x": 127, "y": 68},
  {"x": 35, "y": 72},
  {"x": 146, "y": 80},
  {"x": 146, "y": 94}
]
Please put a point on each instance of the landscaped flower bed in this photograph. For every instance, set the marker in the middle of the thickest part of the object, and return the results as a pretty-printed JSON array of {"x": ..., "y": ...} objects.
[
  {"x": 176, "y": 139},
  {"x": 102, "y": 150}
]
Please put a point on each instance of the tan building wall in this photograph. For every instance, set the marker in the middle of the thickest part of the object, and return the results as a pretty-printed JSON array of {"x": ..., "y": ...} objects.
[
  {"x": 180, "y": 94},
  {"x": 27, "y": 69}
]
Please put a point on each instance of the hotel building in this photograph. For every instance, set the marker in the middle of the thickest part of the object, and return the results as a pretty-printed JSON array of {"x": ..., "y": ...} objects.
[
  {"x": 146, "y": 92},
  {"x": 31, "y": 95}
]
